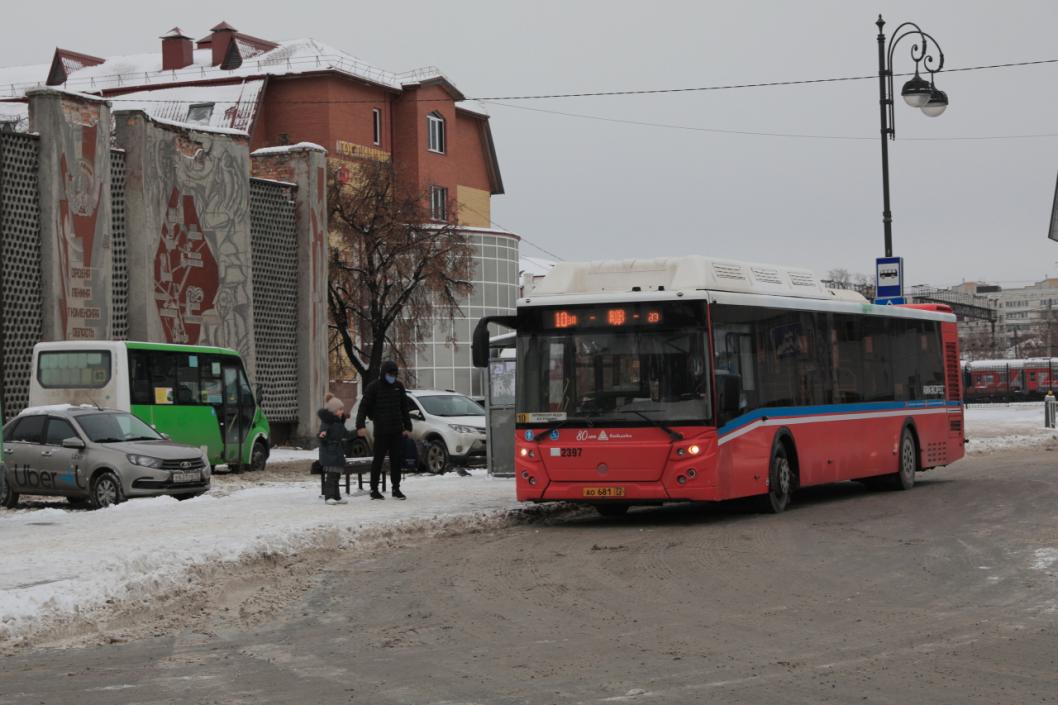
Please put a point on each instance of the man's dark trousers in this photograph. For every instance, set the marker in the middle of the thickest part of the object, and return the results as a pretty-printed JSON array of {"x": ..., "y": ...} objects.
[{"x": 393, "y": 444}]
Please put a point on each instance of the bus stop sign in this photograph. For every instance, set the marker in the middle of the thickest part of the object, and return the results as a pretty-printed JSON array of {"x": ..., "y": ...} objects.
[{"x": 889, "y": 278}]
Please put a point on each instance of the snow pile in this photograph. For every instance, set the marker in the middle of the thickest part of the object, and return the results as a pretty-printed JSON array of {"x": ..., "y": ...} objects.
[
  {"x": 991, "y": 427},
  {"x": 62, "y": 563}
]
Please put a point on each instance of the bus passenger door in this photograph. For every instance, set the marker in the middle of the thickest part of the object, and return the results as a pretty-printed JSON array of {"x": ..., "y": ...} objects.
[{"x": 231, "y": 426}]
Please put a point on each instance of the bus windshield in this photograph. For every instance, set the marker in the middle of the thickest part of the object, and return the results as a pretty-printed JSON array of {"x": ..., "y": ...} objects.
[{"x": 630, "y": 363}]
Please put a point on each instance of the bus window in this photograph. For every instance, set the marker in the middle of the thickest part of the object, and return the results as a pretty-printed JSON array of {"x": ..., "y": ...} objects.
[
  {"x": 188, "y": 389},
  {"x": 163, "y": 377},
  {"x": 140, "y": 378},
  {"x": 212, "y": 391},
  {"x": 82, "y": 369}
]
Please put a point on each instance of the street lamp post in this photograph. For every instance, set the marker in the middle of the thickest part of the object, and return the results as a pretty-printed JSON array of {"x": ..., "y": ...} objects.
[{"x": 917, "y": 92}]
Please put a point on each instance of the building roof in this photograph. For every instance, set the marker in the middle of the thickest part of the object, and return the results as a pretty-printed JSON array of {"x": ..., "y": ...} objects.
[
  {"x": 228, "y": 105},
  {"x": 144, "y": 71}
]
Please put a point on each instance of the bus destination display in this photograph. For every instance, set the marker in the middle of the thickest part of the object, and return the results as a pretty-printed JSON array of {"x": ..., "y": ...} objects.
[{"x": 603, "y": 317}]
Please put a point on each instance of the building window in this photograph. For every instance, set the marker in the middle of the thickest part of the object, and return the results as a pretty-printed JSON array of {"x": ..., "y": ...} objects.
[
  {"x": 200, "y": 113},
  {"x": 439, "y": 203},
  {"x": 376, "y": 122},
  {"x": 435, "y": 128}
]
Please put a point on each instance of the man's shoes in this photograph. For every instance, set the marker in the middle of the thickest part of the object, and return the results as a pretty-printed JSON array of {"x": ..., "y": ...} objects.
[
  {"x": 375, "y": 494},
  {"x": 341, "y": 500},
  {"x": 397, "y": 494},
  {"x": 331, "y": 501}
]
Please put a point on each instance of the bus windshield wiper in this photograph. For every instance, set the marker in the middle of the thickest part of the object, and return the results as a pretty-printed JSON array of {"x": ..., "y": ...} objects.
[{"x": 674, "y": 435}]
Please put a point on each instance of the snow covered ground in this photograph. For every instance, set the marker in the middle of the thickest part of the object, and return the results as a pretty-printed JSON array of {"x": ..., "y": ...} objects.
[
  {"x": 991, "y": 427},
  {"x": 61, "y": 564}
]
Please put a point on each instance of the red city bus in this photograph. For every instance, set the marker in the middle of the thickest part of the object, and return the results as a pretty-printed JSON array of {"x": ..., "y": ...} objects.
[{"x": 693, "y": 379}]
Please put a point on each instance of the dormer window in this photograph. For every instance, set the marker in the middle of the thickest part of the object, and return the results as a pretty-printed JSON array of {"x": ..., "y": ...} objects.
[
  {"x": 435, "y": 130},
  {"x": 200, "y": 113}
]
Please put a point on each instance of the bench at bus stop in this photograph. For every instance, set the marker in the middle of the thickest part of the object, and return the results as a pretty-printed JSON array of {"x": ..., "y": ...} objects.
[{"x": 360, "y": 466}]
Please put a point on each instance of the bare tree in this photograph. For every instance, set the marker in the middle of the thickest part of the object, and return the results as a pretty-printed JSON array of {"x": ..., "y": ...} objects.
[
  {"x": 839, "y": 276},
  {"x": 392, "y": 272}
]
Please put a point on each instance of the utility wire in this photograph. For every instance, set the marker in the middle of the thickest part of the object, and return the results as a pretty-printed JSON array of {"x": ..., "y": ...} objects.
[
  {"x": 692, "y": 128},
  {"x": 509, "y": 231},
  {"x": 629, "y": 92}
]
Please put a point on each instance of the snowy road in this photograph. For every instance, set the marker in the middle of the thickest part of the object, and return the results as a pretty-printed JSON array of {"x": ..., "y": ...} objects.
[
  {"x": 947, "y": 595},
  {"x": 62, "y": 566}
]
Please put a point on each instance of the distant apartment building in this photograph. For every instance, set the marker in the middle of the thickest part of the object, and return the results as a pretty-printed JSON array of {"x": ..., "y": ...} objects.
[
  {"x": 1026, "y": 325},
  {"x": 288, "y": 92}
]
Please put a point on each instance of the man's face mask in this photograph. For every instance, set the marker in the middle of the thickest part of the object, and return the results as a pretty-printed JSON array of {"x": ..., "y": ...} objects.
[{"x": 391, "y": 378}]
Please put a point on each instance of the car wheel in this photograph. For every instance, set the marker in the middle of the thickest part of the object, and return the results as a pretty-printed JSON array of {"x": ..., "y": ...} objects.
[
  {"x": 105, "y": 491},
  {"x": 259, "y": 456},
  {"x": 436, "y": 456},
  {"x": 612, "y": 510},
  {"x": 8, "y": 497},
  {"x": 358, "y": 448},
  {"x": 904, "y": 478},
  {"x": 780, "y": 481}
]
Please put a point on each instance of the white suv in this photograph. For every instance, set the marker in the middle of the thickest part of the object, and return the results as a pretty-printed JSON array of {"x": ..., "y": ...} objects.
[{"x": 448, "y": 428}]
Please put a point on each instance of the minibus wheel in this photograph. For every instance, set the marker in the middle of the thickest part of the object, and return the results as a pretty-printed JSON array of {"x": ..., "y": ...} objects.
[{"x": 259, "y": 456}]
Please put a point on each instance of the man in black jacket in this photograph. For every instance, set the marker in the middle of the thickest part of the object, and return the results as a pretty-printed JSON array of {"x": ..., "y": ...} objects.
[{"x": 386, "y": 403}]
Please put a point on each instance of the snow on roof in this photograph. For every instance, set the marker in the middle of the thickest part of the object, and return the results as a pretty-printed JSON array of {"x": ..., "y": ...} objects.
[
  {"x": 286, "y": 148},
  {"x": 690, "y": 273},
  {"x": 535, "y": 266},
  {"x": 184, "y": 125},
  {"x": 45, "y": 408},
  {"x": 472, "y": 106},
  {"x": 291, "y": 57},
  {"x": 228, "y": 106},
  {"x": 1013, "y": 364}
]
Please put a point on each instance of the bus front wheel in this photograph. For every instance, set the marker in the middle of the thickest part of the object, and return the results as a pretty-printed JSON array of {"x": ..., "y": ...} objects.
[{"x": 780, "y": 481}]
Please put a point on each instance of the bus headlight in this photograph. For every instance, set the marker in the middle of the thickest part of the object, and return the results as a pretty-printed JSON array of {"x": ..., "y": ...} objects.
[
  {"x": 145, "y": 461},
  {"x": 694, "y": 450}
]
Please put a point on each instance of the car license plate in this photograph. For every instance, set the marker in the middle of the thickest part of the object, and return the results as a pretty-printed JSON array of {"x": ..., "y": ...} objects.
[
  {"x": 187, "y": 476},
  {"x": 604, "y": 491}
]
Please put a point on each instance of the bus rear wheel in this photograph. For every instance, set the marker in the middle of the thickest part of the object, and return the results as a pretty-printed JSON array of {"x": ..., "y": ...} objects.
[
  {"x": 780, "y": 481},
  {"x": 612, "y": 510},
  {"x": 904, "y": 478}
]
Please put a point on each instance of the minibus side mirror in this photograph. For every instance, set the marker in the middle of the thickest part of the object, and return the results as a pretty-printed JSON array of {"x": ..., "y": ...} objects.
[{"x": 260, "y": 393}]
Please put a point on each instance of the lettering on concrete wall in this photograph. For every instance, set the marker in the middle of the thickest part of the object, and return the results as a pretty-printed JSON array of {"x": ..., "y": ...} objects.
[{"x": 82, "y": 238}]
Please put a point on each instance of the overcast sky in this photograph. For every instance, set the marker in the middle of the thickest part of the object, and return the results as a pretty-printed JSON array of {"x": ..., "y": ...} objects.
[{"x": 587, "y": 189}]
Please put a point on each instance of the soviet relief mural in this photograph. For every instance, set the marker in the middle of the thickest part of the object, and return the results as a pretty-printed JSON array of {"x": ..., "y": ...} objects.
[
  {"x": 76, "y": 238},
  {"x": 193, "y": 188}
]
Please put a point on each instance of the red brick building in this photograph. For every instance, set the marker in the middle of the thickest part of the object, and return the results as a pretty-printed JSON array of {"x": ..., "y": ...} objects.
[
  {"x": 294, "y": 91},
  {"x": 288, "y": 92}
]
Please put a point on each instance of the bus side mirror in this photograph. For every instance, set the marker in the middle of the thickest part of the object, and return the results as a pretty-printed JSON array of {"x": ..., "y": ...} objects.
[
  {"x": 479, "y": 348},
  {"x": 260, "y": 393},
  {"x": 730, "y": 394}
]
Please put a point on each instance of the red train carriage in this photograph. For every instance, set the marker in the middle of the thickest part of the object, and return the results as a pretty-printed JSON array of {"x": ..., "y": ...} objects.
[{"x": 1009, "y": 380}]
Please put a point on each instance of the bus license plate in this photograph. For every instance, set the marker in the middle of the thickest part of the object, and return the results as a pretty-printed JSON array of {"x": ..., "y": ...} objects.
[
  {"x": 604, "y": 491},
  {"x": 187, "y": 476}
]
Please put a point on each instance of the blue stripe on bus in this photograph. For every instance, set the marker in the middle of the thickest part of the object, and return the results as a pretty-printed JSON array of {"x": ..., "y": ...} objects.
[{"x": 793, "y": 411}]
